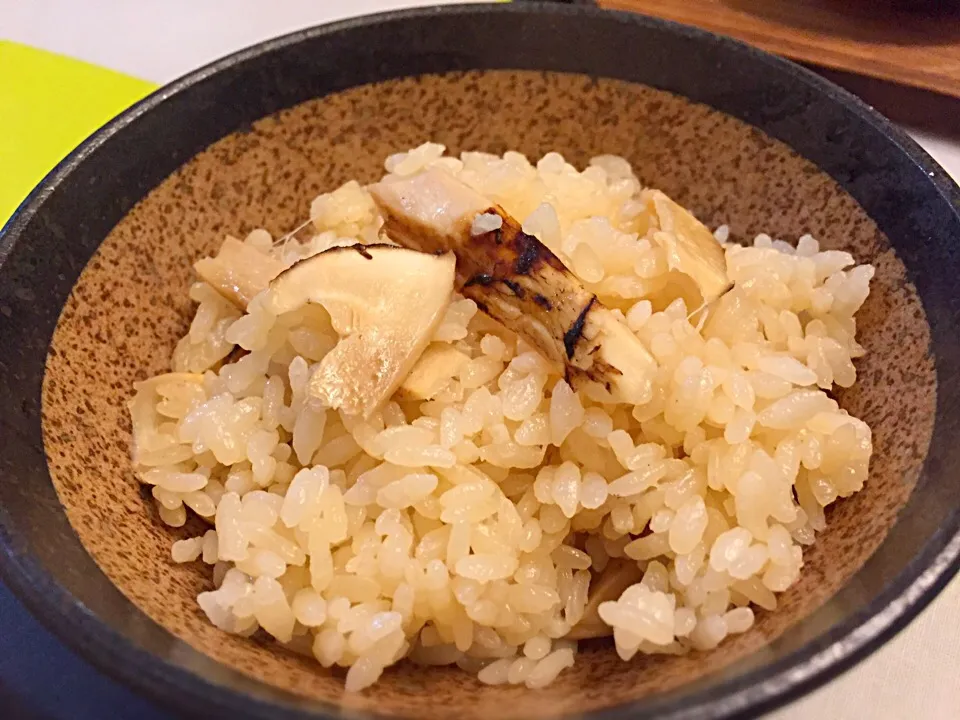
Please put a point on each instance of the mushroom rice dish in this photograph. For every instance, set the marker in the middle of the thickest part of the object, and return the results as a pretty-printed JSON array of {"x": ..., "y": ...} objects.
[{"x": 484, "y": 409}]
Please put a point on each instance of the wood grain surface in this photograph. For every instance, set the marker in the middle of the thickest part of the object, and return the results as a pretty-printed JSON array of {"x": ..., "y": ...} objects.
[{"x": 911, "y": 42}]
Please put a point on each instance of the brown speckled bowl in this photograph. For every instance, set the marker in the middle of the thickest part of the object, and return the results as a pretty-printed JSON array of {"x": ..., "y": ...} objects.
[{"x": 96, "y": 264}]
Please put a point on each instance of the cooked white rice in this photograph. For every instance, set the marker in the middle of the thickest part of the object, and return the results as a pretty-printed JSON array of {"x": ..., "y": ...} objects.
[{"x": 467, "y": 529}]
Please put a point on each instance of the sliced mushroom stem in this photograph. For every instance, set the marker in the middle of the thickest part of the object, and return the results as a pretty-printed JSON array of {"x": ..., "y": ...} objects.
[
  {"x": 616, "y": 577},
  {"x": 690, "y": 247},
  {"x": 239, "y": 271},
  {"x": 437, "y": 366},
  {"x": 388, "y": 300}
]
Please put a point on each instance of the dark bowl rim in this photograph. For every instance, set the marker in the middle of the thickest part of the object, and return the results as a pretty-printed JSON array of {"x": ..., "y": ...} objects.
[{"x": 756, "y": 691}]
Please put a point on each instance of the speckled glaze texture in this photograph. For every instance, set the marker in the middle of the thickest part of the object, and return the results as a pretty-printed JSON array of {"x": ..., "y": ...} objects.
[{"x": 130, "y": 305}]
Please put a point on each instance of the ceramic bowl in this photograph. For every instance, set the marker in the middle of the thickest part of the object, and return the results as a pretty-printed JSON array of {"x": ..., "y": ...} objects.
[{"x": 93, "y": 293}]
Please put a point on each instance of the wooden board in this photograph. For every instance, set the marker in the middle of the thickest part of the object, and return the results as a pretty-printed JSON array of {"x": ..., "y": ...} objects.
[{"x": 915, "y": 43}]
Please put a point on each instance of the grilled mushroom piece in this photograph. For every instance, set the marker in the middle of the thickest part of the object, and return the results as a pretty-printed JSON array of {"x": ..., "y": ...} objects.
[{"x": 517, "y": 280}]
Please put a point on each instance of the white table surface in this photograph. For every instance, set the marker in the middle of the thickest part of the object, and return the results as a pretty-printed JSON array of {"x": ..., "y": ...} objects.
[{"x": 917, "y": 675}]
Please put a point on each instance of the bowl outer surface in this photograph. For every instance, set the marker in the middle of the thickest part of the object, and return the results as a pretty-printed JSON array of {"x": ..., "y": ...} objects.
[{"x": 64, "y": 221}]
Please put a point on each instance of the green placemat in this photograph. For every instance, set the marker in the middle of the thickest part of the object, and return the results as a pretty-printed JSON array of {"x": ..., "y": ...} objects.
[{"x": 48, "y": 105}]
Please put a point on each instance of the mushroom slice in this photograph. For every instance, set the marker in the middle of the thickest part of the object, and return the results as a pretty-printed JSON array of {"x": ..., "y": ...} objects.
[
  {"x": 616, "y": 577},
  {"x": 517, "y": 280},
  {"x": 690, "y": 247},
  {"x": 435, "y": 368},
  {"x": 239, "y": 271},
  {"x": 386, "y": 301},
  {"x": 148, "y": 411}
]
